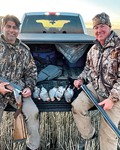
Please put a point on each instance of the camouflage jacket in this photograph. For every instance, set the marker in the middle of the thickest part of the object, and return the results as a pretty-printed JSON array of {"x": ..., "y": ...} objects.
[
  {"x": 16, "y": 65},
  {"x": 103, "y": 67}
]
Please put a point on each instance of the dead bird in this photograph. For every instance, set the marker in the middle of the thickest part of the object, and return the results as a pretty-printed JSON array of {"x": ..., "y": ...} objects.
[
  {"x": 59, "y": 93},
  {"x": 36, "y": 93},
  {"x": 68, "y": 94},
  {"x": 44, "y": 94},
  {"x": 52, "y": 93}
]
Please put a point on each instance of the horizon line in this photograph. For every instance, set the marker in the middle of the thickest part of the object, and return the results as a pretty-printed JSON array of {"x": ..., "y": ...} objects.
[{"x": 115, "y": 25}]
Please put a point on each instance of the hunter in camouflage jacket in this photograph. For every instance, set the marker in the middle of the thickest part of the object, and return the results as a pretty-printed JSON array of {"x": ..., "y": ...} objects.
[
  {"x": 103, "y": 67},
  {"x": 16, "y": 65}
]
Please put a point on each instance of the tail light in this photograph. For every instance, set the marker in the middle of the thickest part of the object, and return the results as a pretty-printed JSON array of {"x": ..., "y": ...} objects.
[{"x": 52, "y": 13}]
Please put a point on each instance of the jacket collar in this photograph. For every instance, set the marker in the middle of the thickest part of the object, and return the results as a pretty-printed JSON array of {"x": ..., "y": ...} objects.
[{"x": 17, "y": 42}]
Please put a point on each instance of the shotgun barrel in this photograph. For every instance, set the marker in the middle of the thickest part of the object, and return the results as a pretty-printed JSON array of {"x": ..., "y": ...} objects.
[{"x": 102, "y": 111}]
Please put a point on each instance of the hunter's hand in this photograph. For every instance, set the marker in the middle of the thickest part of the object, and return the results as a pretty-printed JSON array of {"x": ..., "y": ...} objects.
[
  {"x": 107, "y": 104},
  {"x": 26, "y": 92},
  {"x": 3, "y": 89},
  {"x": 78, "y": 83}
]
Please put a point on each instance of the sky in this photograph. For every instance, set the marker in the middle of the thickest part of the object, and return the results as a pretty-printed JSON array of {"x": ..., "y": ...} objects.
[{"x": 87, "y": 8}]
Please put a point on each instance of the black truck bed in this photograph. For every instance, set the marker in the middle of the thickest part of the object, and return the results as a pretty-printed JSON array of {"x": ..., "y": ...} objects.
[{"x": 52, "y": 106}]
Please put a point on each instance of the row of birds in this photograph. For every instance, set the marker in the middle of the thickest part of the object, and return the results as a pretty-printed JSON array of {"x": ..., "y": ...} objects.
[{"x": 56, "y": 93}]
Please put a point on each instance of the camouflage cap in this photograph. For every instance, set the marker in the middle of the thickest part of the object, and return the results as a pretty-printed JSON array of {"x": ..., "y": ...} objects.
[{"x": 102, "y": 18}]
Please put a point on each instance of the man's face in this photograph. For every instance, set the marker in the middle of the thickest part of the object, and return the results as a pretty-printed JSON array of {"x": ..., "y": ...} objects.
[
  {"x": 10, "y": 31},
  {"x": 102, "y": 31}
]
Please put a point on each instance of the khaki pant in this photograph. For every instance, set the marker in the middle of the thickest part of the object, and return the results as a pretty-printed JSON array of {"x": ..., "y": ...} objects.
[
  {"x": 31, "y": 113},
  {"x": 80, "y": 107}
]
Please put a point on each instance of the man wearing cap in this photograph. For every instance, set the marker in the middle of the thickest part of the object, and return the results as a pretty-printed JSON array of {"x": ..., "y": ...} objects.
[{"x": 102, "y": 73}]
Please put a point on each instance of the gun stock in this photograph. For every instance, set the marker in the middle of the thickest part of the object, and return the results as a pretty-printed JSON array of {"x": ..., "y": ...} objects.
[
  {"x": 104, "y": 114},
  {"x": 19, "y": 131}
]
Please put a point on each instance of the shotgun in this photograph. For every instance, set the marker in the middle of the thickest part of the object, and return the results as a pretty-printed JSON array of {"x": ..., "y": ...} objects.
[
  {"x": 102, "y": 111},
  {"x": 19, "y": 132}
]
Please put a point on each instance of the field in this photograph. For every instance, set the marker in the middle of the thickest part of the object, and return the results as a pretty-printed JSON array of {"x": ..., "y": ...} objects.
[{"x": 90, "y": 31}]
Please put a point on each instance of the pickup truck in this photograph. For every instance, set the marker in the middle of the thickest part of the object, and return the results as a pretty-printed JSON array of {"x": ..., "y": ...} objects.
[{"x": 58, "y": 39}]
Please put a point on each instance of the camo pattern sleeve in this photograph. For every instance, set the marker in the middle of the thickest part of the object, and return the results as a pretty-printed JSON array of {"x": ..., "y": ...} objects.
[
  {"x": 115, "y": 91},
  {"x": 87, "y": 73},
  {"x": 17, "y": 64},
  {"x": 30, "y": 71}
]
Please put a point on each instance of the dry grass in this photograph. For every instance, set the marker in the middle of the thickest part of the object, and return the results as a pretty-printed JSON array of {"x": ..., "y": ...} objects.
[
  {"x": 58, "y": 132},
  {"x": 57, "y": 129}
]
